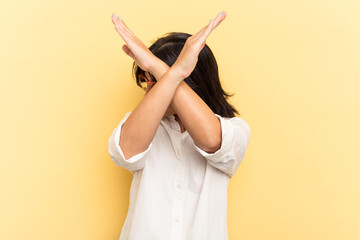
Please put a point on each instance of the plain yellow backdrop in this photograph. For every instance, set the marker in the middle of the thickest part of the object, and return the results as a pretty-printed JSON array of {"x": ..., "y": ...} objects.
[{"x": 66, "y": 84}]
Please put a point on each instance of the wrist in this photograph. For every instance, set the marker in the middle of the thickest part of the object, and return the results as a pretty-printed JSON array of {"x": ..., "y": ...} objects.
[
  {"x": 176, "y": 74},
  {"x": 158, "y": 68}
]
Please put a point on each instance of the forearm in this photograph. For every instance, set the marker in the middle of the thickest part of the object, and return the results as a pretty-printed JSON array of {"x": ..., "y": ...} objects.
[
  {"x": 198, "y": 119},
  {"x": 140, "y": 127},
  {"x": 159, "y": 68}
]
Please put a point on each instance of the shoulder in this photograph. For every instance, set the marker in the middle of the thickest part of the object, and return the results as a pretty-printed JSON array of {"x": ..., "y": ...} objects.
[{"x": 236, "y": 122}]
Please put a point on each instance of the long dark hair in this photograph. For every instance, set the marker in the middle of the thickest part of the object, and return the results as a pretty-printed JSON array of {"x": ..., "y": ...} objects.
[{"x": 204, "y": 79}]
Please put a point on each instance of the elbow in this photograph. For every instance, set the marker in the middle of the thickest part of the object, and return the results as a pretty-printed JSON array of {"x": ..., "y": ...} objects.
[
  {"x": 128, "y": 151},
  {"x": 214, "y": 144},
  {"x": 126, "y": 154},
  {"x": 124, "y": 148},
  {"x": 214, "y": 139}
]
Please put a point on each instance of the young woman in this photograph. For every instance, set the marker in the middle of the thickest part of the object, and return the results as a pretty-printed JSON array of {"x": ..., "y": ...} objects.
[{"x": 182, "y": 142}]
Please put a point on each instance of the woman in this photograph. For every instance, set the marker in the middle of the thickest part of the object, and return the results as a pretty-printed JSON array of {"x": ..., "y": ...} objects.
[{"x": 182, "y": 142}]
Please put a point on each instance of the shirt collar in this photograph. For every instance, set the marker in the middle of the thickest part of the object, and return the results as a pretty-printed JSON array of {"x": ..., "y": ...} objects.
[{"x": 170, "y": 120}]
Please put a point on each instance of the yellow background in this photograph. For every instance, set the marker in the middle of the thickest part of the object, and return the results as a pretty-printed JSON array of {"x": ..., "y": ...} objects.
[{"x": 66, "y": 84}]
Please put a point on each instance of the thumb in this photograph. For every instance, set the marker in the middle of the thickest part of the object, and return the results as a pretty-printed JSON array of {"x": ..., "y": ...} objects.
[{"x": 127, "y": 51}]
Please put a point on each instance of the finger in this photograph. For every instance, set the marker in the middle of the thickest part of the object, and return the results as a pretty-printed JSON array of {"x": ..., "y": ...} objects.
[
  {"x": 219, "y": 18},
  {"x": 121, "y": 22},
  {"x": 125, "y": 31},
  {"x": 127, "y": 38},
  {"x": 202, "y": 38},
  {"x": 201, "y": 32},
  {"x": 113, "y": 19},
  {"x": 121, "y": 29},
  {"x": 216, "y": 21}
]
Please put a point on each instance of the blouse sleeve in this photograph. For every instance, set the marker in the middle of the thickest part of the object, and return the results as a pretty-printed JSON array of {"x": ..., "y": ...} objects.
[
  {"x": 235, "y": 134},
  {"x": 135, "y": 162}
]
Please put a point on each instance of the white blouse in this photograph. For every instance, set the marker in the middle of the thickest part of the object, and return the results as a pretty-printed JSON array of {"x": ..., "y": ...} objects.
[{"x": 179, "y": 191}]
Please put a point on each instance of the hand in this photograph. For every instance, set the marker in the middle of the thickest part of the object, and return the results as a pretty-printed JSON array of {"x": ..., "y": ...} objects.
[
  {"x": 134, "y": 47},
  {"x": 187, "y": 59}
]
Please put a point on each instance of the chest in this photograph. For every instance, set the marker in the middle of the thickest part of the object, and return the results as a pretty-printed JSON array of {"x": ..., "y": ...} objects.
[{"x": 173, "y": 156}]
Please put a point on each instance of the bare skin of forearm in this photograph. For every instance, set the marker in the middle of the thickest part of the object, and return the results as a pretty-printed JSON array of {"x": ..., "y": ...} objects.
[
  {"x": 196, "y": 116},
  {"x": 140, "y": 127}
]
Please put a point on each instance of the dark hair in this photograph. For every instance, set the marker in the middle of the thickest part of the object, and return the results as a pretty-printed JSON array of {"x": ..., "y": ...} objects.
[{"x": 204, "y": 79}]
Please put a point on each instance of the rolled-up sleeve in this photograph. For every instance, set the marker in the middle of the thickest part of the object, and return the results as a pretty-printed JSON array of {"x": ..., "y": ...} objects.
[
  {"x": 235, "y": 134},
  {"x": 135, "y": 162}
]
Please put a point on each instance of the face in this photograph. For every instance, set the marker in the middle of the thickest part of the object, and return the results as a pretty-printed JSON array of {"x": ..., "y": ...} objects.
[{"x": 169, "y": 111}]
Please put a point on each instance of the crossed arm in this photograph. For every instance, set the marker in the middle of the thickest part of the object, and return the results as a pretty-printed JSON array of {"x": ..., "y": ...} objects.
[
  {"x": 196, "y": 116},
  {"x": 198, "y": 119},
  {"x": 201, "y": 123}
]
